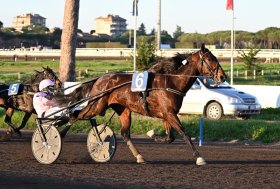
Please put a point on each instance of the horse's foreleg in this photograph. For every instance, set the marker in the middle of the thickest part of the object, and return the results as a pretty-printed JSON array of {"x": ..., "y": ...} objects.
[
  {"x": 176, "y": 124},
  {"x": 24, "y": 121},
  {"x": 125, "y": 118}
]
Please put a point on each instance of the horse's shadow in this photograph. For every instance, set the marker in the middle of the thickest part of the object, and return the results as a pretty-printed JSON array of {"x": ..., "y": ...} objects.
[
  {"x": 181, "y": 162},
  {"x": 219, "y": 162}
]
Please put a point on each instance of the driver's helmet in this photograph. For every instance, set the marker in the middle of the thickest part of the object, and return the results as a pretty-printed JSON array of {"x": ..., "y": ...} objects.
[{"x": 46, "y": 85}]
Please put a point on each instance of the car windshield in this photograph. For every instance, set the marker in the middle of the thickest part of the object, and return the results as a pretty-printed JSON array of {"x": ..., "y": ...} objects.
[{"x": 209, "y": 83}]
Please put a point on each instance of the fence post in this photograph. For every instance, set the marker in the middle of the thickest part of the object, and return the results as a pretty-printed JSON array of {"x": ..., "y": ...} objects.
[
  {"x": 254, "y": 74},
  {"x": 200, "y": 131},
  {"x": 18, "y": 76},
  {"x": 80, "y": 74},
  {"x": 246, "y": 74}
]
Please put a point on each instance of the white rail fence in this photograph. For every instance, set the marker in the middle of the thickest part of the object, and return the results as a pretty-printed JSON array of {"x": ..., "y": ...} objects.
[
  {"x": 244, "y": 74},
  {"x": 269, "y": 55}
]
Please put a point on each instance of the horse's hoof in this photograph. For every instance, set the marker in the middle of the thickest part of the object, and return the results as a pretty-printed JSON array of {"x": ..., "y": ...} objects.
[
  {"x": 151, "y": 133},
  {"x": 200, "y": 161},
  {"x": 18, "y": 133},
  {"x": 140, "y": 159},
  {"x": 6, "y": 137}
]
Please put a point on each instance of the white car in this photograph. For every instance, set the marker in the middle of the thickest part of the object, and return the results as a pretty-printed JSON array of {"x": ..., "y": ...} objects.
[{"x": 216, "y": 100}]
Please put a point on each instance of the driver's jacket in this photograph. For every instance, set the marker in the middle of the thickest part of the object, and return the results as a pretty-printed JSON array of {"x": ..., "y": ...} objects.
[{"x": 42, "y": 105}]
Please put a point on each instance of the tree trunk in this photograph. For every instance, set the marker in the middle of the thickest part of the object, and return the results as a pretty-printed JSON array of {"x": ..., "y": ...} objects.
[{"x": 67, "y": 67}]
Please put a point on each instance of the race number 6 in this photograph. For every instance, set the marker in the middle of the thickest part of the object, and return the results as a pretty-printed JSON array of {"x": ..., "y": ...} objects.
[{"x": 139, "y": 80}]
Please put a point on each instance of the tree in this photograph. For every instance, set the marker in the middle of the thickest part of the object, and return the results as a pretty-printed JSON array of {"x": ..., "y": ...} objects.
[
  {"x": 1, "y": 25},
  {"x": 167, "y": 39},
  {"x": 146, "y": 53},
  {"x": 250, "y": 59},
  {"x": 35, "y": 29},
  {"x": 67, "y": 67},
  {"x": 153, "y": 31},
  {"x": 177, "y": 32},
  {"x": 55, "y": 37},
  {"x": 142, "y": 29}
]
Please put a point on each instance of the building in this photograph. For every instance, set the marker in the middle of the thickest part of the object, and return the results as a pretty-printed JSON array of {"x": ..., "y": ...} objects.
[
  {"x": 111, "y": 25},
  {"x": 28, "y": 20}
]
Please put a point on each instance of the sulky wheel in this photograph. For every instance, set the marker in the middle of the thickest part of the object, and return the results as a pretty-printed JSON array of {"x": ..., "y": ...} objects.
[
  {"x": 102, "y": 148},
  {"x": 46, "y": 152}
]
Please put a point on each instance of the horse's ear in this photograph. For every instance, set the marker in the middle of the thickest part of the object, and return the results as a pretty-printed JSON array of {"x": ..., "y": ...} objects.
[{"x": 202, "y": 47}]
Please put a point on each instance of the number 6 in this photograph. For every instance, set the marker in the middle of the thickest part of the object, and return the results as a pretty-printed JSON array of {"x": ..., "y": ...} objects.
[{"x": 139, "y": 80}]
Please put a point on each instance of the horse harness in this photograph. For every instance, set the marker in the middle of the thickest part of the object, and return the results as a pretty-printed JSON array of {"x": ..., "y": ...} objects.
[{"x": 145, "y": 94}]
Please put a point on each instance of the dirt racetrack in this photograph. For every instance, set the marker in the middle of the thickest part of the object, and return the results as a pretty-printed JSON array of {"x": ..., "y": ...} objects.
[{"x": 230, "y": 165}]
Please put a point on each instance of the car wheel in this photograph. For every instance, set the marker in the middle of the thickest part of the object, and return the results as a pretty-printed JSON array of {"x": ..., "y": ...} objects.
[{"x": 214, "y": 111}]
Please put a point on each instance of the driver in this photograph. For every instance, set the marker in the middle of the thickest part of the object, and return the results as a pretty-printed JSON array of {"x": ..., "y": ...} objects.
[{"x": 42, "y": 100}]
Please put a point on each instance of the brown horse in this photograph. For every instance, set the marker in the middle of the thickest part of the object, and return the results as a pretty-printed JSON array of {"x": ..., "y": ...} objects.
[
  {"x": 24, "y": 100},
  {"x": 164, "y": 100}
]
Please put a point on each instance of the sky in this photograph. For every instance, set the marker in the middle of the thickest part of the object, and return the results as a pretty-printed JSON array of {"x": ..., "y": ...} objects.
[{"x": 202, "y": 16}]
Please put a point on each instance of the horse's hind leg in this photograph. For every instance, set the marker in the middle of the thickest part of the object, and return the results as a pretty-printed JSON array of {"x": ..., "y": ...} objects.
[
  {"x": 169, "y": 138},
  {"x": 125, "y": 118},
  {"x": 176, "y": 124}
]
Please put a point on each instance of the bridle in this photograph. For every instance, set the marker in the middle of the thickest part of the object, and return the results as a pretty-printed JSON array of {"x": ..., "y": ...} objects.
[
  {"x": 213, "y": 72},
  {"x": 54, "y": 77}
]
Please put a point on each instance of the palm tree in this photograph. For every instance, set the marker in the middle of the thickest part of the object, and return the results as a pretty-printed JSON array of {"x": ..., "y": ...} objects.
[{"x": 67, "y": 65}]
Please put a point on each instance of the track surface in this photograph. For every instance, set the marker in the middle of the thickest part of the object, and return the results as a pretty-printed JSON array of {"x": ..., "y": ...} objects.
[{"x": 169, "y": 166}]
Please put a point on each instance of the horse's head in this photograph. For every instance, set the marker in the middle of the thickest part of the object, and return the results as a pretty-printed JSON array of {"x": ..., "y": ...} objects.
[
  {"x": 209, "y": 64},
  {"x": 48, "y": 73}
]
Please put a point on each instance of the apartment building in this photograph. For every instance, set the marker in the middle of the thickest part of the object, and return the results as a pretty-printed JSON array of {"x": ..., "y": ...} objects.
[
  {"x": 111, "y": 25},
  {"x": 28, "y": 19}
]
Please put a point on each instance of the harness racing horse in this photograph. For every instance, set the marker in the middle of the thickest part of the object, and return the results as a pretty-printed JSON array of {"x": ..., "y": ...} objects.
[
  {"x": 24, "y": 100},
  {"x": 165, "y": 96}
]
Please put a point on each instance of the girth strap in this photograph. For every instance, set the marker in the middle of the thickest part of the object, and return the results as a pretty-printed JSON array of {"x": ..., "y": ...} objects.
[{"x": 145, "y": 94}]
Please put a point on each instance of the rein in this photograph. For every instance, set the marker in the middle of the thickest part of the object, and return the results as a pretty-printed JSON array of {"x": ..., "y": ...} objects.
[
  {"x": 175, "y": 75},
  {"x": 4, "y": 90},
  {"x": 169, "y": 90},
  {"x": 81, "y": 83}
]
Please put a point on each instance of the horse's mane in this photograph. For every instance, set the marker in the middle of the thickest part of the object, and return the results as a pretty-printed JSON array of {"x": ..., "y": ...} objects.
[
  {"x": 168, "y": 65},
  {"x": 34, "y": 78}
]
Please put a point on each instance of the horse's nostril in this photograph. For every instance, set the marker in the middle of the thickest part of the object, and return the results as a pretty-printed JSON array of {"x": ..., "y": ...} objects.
[{"x": 222, "y": 78}]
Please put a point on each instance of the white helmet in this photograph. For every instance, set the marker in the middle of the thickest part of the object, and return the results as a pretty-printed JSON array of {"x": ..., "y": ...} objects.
[{"x": 45, "y": 83}]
